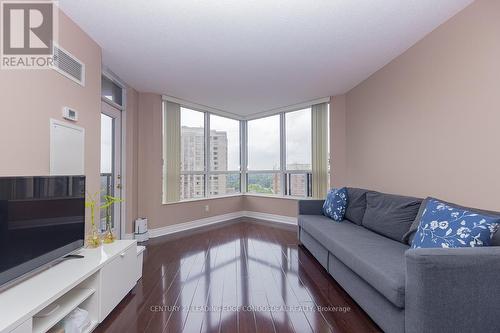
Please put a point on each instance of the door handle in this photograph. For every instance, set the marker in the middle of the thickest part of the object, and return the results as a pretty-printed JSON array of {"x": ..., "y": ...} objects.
[{"x": 119, "y": 186}]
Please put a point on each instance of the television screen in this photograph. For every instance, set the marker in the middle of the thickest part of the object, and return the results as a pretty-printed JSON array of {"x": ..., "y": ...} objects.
[{"x": 41, "y": 220}]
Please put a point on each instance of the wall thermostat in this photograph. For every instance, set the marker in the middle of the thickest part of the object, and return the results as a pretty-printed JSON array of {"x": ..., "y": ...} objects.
[{"x": 70, "y": 114}]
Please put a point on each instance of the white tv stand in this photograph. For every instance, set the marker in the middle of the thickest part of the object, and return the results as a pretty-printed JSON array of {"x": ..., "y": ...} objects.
[{"x": 95, "y": 283}]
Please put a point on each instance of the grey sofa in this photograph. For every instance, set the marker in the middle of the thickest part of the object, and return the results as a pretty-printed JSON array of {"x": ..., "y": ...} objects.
[{"x": 403, "y": 289}]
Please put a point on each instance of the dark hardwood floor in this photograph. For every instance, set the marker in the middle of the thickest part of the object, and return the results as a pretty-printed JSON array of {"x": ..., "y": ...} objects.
[{"x": 240, "y": 277}]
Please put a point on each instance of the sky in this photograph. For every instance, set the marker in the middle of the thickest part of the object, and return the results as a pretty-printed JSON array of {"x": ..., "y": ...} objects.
[
  {"x": 298, "y": 137},
  {"x": 106, "y": 143},
  {"x": 264, "y": 140},
  {"x": 264, "y": 143}
]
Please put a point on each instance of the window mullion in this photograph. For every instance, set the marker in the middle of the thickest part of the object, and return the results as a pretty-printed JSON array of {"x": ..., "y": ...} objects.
[
  {"x": 282, "y": 153},
  {"x": 243, "y": 155},
  {"x": 207, "y": 154}
]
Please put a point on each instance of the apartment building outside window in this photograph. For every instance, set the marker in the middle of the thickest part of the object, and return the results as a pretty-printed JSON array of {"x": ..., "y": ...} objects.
[
  {"x": 224, "y": 172},
  {"x": 192, "y": 154}
]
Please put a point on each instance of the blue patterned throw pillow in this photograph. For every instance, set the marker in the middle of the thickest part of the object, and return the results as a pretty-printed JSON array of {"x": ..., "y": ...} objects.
[
  {"x": 446, "y": 226},
  {"x": 335, "y": 204}
]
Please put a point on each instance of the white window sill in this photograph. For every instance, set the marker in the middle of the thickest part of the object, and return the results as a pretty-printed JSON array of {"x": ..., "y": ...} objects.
[
  {"x": 268, "y": 196},
  {"x": 276, "y": 196},
  {"x": 203, "y": 199}
]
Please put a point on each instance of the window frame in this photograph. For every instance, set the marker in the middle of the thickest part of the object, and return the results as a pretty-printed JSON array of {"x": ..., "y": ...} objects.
[
  {"x": 244, "y": 172},
  {"x": 108, "y": 77},
  {"x": 207, "y": 172},
  {"x": 283, "y": 172}
]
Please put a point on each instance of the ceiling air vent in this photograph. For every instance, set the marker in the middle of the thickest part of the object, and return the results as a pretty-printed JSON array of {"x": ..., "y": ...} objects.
[{"x": 69, "y": 66}]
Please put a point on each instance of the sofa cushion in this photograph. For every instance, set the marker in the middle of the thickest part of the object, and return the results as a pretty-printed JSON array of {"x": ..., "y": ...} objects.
[
  {"x": 356, "y": 205},
  {"x": 376, "y": 259},
  {"x": 335, "y": 204},
  {"x": 447, "y": 226},
  {"x": 495, "y": 241},
  {"x": 390, "y": 215},
  {"x": 410, "y": 234}
]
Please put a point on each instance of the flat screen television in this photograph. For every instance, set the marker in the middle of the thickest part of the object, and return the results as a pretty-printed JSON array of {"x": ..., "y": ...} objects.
[{"x": 42, "y": 219}]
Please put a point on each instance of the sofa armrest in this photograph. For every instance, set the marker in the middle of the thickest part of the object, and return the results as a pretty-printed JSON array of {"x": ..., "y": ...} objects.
[
  {"x": 452, "y": 290},
  {"x": 311, "y": 207}
]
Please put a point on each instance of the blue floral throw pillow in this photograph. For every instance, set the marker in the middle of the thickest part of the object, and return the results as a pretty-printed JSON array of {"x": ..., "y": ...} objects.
[
  {"x": 335, "y": 204},
  {"x": 447, "y": 226}
]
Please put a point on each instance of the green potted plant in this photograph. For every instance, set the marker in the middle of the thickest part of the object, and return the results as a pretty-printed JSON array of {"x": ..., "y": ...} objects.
[
  {"x": 93, "y": 239},
  {"x": 109, "y": 201}
]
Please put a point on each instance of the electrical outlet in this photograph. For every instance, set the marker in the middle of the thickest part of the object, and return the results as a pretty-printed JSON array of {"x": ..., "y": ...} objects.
[{"x": 207, "y": 208}]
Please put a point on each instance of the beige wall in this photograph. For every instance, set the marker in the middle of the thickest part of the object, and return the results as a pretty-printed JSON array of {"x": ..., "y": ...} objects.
[
  {"x": 276, "y": 206},
  {"x": 29, "y": 98},
  {"x": 429, "y": 122},
  {"x": 131, "y": 158},
  {"x": 338, "y": 166}
]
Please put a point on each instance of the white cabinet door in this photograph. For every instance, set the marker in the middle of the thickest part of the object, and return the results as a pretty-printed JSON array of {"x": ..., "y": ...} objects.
[{"x": 118, "y": 277}]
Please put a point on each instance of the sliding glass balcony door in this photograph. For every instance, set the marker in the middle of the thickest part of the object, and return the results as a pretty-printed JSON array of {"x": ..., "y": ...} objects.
[{"x": 111, "y": 164}]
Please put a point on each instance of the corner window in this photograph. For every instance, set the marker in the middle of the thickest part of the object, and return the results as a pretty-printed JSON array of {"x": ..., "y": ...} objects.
[
  {"x": 208, "y": 155},
  {"x": 279, "y": 154}
]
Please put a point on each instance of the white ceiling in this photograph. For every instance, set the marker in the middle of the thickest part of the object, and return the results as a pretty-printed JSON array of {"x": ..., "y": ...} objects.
[{"x": 246, "y": 56}]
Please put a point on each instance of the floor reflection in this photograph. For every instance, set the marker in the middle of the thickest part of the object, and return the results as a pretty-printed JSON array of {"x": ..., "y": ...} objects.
[{"x": 244, "y": 277}]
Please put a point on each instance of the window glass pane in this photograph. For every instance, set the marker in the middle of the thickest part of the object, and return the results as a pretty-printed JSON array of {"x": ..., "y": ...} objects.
[
  {"x": 107, "y": 158},
  {"x": 111, "y": 90},
  {"x": 107, "y": 131},
  {"x": 224, "y": 144},
  {"x": 264, "y": 143},
  {"x": 298, "y": 140},
  {"x": 192, "y": 140},
  {"x": 223, "y": 184},
  {"x": 192, "y": 186},
  {"x": 298, "y": 184},
  {"x": 265, "y": 183}
]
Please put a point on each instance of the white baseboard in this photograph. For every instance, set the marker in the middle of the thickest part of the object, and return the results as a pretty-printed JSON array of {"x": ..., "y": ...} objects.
[
  {"x": 271, "y": 217},
  {"x": 175, "y": 228},
  {"x": 172, "y": 229}
]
